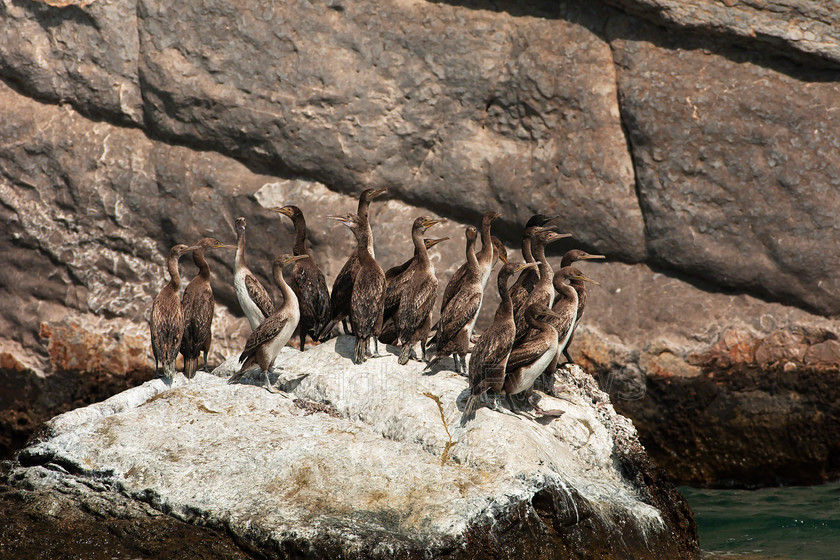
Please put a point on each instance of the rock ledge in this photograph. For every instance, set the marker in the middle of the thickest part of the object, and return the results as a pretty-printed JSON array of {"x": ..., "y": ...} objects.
[{"x": 367, "y": 461}]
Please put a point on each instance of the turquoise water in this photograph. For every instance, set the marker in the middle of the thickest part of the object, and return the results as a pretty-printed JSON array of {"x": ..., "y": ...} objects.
[{"x": 793, "y": 523}]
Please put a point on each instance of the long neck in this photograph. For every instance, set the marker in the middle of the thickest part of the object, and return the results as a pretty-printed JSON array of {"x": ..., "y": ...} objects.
[
  {"x": 362, "y": 210},
  {"x": 289, "y": 297},
  {"x": 545, "y": 268},
  {"x": 300, "y": 236},
  {"x": 486, "y": 253},
  {"x": 567, "y": 293},
  {"x": 174, "y": 277},
  {"x": 472, "y": 261},
  {"x": 526, "y": 249},
  {"x": 505, "y": 309},
  {"x": 201, "y": 263},
  {"x": 364, "y": 241},
  {"x": 240, "y": 249},
  {"x": 419, "y": 246}
]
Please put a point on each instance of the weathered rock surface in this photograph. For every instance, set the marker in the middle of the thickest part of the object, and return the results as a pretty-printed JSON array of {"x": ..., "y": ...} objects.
[
  {"x": 735, "y": 156},
  {"x": 367, "y": 461},
  {"x": 802, "y": 29},
  {"x": 127, "y": 126},
  {"x": 754, "y": 405}
]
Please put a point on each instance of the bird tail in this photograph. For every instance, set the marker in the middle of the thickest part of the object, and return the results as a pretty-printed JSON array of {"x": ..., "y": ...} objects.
[
  {"x": 190, "y": 365},
  {"x": 323, "y": 334},
  {"x": 433, "y": 362},
  {"x": 470, "y": 408},
  {"x": 242, "y": 370},
  {"x": 405, "y": 353},
  {"x": 360, "y": 355},
  {"x": 169, "y": 371}
]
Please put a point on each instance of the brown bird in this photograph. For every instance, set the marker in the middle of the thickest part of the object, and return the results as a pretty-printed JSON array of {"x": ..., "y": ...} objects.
[
  {"x": 254, "y": 300},
  {"x": 491, "y": 352},
  {"x": 457, "y": 317},
  {"x": 367, "y": 301},
  {"x": 166, "y": 324},
  {"x": 395, "y": 280},
  {"x": 269, "y": 338},
  {"x": 570, "y": 258},
  {"x": 491, "y": 250},
  {"x": 198, "y": 305},
  {"x": 308, "y": 282},
  {"x": 342, "y": 289},
  {"x": 543, "y": 291},
  {"x": 532, "y": 356},
  {"x": 565, "y": 306},
  {"x": 417, "y": 298}
]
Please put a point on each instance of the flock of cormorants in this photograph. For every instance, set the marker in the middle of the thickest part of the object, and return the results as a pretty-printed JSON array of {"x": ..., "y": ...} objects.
[{"x": 531, "y": 330}]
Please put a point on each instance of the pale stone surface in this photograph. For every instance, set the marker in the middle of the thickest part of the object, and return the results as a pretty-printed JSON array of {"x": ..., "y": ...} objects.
[{"x": 389, "y": 469}]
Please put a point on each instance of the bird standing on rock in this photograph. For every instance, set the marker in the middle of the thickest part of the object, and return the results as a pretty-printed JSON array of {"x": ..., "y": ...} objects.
[
  {"x": 491, "y": 352},
  {"x": 568, "y": 259},
  {"x": 198, "y": 305},
  {"x": 342, "y": 289},
  {"x": 532, "y": 356},
  {"x": 308, "y": 281},
  {"x": 367, "y": 301},
  {"x": 396, "y": 279},
  {"x": 492, "y": 249},
  {"x": 255, "y": 302},
  {"x": 457, "y": 317},
  {"x": 565, "y": 306},
  {"x": 414, "y": 314},
  {"x": 265, "y": 343},
  {"x": 166, "y": 323}
]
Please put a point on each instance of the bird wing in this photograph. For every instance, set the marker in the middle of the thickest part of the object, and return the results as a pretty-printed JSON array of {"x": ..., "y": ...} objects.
[
  {"x": 342, "y": 289},
  {"x": 198, "y": 306},
  {"x": 489, "y": 358},
  {"x": 310, "y": 286},
  {"x": 452, "y": 286},
  {"x": 395, "y": 271},
  {"x": 460, "y": 310},
  {"x": 367, "y": 302},
  {"x": 396, "y": 287},
  {"x": 258, "y": 294},
  {"x": 415, "y": 304},
  {"x": 526, "y": 353},
  {"x": 167, "y": 325},
  {"x": 267, "y": 330}
]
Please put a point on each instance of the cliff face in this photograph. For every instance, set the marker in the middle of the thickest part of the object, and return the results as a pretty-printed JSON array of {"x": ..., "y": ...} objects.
[
  {"x": 694, "y": 146},
  {"x": 364, "y": 461}
]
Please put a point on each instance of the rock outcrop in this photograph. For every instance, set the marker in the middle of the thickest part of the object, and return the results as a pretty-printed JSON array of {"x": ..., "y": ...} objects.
[
  {"x": 366, "y": 461},
  {"x": 694, "y": 145}
]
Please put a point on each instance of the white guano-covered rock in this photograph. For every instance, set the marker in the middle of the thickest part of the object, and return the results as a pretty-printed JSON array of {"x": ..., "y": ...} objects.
[{"x": 364, "y": 461}]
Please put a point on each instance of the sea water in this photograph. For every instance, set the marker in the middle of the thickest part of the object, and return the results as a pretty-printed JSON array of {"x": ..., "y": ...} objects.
[{"x": 791, "y": 523}]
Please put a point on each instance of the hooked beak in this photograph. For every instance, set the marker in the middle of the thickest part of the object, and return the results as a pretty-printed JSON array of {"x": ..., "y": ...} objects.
[
  {"x": 342, "y": 219},
  {"x": 503, "y": 258},
  {"x": 585, "y": 278},
  {"x": 523, "y": 266},
  {"x": 432, "y": 242},
  {"x": 296, "y": 258},
  {"x": 192, "y": 248},
  {"x": 284, "y": 210},
  {"x": 432, "y": 221},
  {"x": 555, "y": 236},
  {"x": 376, "y": 193},
  {"x": 224, "y": 246},
  {"x": 588, "y": 257}
]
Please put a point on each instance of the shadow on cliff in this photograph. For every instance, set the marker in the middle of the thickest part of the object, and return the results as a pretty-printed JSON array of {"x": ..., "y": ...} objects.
[{"x": 656, "y": 30}]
